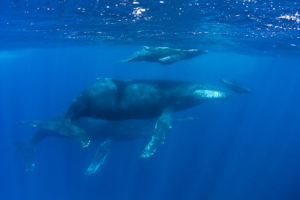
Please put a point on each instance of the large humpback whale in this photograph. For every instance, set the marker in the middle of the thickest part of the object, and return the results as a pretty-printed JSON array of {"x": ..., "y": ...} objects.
[
  {"x": 111, "y": 99},
  {"x": 164, "y": 55},
  {"x": 116, "y": 100}
]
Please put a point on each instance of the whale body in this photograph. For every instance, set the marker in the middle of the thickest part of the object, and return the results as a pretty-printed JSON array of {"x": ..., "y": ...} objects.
[
  {"x": 164, "y": 55},
  {"x": 111, "y": 99},
  {"x": 116, "y": 101}
]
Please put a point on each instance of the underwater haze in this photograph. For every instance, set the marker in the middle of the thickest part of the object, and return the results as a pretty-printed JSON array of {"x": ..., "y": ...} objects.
[{"x": 246, "y": 146}]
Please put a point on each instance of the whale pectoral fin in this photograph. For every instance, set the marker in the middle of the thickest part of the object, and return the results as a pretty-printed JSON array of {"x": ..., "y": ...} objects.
[
  {"x": 170, "y": 59},
  {"x": 27, "y": 150},
  {"x": 101, "y": 153},
  {"x": 162, "y": 125},
  {"x": 83, "y": 139},
  {"x": 78, "y": 134}
]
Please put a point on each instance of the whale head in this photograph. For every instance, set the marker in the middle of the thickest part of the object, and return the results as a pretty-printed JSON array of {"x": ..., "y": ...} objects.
[
  {"x": 194, "y": 94},
  {"x": 202, "y": 93}
]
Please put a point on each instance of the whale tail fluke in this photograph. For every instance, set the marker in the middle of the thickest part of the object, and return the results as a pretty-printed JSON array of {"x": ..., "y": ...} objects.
[{"x": 27, "y": 150}]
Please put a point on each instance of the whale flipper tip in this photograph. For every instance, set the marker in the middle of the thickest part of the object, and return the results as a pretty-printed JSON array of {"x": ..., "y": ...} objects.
[
  {"x": 100, "y": 156},
  {"x": 27, "y": 150}
]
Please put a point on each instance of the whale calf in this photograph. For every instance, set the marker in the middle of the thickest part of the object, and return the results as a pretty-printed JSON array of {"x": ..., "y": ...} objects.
[{"x": 164, "y": 55}]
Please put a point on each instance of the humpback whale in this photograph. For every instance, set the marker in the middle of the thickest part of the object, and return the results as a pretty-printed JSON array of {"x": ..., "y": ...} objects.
[
  {"x": 234, "y": 86},
  {"x": 164, "y": 55},
  {"x": 112, "y": 99},
  {"x": 117, "y": 101}
]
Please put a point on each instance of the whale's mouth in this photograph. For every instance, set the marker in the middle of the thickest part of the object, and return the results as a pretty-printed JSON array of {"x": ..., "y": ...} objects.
[{"x": 210, "y": 94}]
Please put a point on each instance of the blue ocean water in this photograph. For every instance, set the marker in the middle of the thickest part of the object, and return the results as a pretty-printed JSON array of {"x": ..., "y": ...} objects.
[{"x": 247, "y": 147}]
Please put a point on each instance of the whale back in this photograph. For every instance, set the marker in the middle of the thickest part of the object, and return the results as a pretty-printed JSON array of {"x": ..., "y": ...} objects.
[{"x": 111, "y": 99}]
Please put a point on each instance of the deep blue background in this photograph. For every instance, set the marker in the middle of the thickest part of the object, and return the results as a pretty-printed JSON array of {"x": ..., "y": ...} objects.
[{"x": 245, "y": 148}]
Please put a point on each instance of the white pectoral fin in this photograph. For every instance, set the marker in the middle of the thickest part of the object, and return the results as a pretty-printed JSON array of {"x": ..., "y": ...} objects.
[
  {"x": 170, "y": 59},
  {"x": 101, "y": 154},
  {"x": 162, "y": 125}
]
